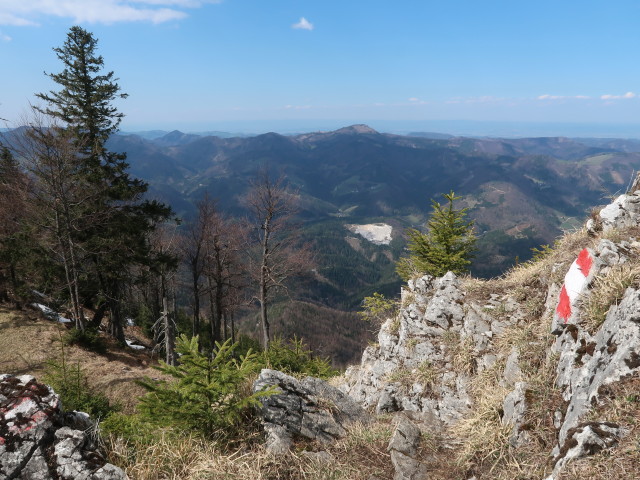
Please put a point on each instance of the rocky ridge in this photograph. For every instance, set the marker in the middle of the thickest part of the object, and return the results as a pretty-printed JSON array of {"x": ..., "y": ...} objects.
[{"x": 446, "y": 338}]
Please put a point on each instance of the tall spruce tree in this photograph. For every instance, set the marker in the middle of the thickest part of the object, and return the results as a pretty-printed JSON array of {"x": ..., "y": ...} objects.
[
  {"x": 84, "y": 102},
  {"x": 447, "y": 246},
  {"x": 121, "y": 220}
]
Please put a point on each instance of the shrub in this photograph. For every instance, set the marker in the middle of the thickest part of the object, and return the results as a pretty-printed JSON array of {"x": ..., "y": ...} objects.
[
  {"x": 70, "y": 383},
  {"x": 294, "y": 357},
  {"x": 89, "y": 339},
  {"x": 209, "y": 395},
  {"x": 376, "y": 309}
]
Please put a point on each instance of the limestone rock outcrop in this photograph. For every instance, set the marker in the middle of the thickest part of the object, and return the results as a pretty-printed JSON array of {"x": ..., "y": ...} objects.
[
  {"x": 426, "y": 356},
  {"x": 403, "y": 448},
  {"x": 308, "y": 408},
  {"x": 585, "y": 439},
  {"x": 624, "y": 212},
  {"x": 590, "y": 361},
  {"x": 39, "y": 441}
]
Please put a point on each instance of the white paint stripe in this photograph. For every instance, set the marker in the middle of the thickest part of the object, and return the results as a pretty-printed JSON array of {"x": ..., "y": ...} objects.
[{"x": 574, "y": 282}]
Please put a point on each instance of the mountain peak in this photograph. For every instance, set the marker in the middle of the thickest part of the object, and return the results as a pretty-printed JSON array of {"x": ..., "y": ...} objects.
[{"x": 356, "y": 129}]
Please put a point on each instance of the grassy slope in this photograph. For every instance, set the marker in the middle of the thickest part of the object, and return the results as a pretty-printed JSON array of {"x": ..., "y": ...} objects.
[{"x": 28, "y": 342}]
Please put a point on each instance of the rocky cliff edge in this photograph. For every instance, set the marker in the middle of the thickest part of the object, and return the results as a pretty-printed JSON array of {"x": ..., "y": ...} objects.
[{"x": 522, "y": 376}]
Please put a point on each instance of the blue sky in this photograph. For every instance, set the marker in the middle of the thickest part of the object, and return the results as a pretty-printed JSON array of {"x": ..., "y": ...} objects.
[{"x": 294, "y": 65}]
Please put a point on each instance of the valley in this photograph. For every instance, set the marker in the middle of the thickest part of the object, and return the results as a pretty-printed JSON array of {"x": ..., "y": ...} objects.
[{"x": 521, "y": 193}]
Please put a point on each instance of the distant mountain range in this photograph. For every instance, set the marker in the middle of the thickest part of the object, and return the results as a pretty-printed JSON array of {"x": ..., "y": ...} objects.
[
  {"x": 521, "y": 192},
  {"x": 516, "y": 189}
]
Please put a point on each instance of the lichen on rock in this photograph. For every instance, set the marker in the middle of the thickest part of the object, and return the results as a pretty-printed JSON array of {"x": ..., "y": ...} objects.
[{"x": 38, "y": 441}]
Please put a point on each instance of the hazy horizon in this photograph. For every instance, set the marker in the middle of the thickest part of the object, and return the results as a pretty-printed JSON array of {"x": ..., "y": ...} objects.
[
  {"x": 464, "y": 67},
  {"x": 450, "y": 127}
]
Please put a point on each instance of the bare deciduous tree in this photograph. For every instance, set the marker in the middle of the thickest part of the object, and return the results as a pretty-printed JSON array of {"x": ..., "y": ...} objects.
[
  {"x": 165, "y": 247},
  {"x": 278, "y": 255},
  {"x": 58, "y": 198},
  {"x": 192, "y": 249},
  {"x": 212, "y": 247}
]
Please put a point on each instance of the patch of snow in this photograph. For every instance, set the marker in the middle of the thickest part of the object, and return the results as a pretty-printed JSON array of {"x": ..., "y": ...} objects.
[
  {"x": 50, "y": 313},
  {"x": 130, "y": 322},
  {"x": 376, "y": 233},
  {"x": 134, "y": 346},
  {"x": 45, "y": 310}
]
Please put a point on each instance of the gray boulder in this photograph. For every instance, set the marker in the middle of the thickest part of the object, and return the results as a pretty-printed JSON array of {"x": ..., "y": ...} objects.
[
  {"x": 308, "y": 408},
  {"x": 584, "y": 440},
  {"x": 37, "y": 443},
  {"x": 403, "y": 448},
  {"x": 515, "y": 408},
  {"x": 624, "y": 212}
]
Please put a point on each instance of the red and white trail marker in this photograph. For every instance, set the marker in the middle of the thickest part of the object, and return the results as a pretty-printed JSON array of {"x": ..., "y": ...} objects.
[{"x": 580, "y": 274}]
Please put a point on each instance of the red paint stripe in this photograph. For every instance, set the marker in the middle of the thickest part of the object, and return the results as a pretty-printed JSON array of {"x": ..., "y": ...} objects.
[
  {"x": 585, "y": 262},
  {"x": 564, "y": 305}
]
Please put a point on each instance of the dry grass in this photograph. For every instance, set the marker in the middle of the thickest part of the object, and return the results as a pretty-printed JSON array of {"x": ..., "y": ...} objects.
[
  {"x": 168, "y": 458},
  {"x": 361, "y": 455},
  {"x": 401, "y": 376},
  {"x": 608, "y": 290},
  {"x": 483, "y": 440},
  {"x": 483, "y": 437},
  {"x": 28, "y": 342},
  {"x": 394, "y": 326},
  {"x": 425, "y": 374},
  {"x": 461, "y": 352},
  {"x": 620, "y": 403}
]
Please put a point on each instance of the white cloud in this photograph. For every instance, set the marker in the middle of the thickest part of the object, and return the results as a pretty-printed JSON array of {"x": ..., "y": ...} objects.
[
  {"x": 298, "y": 107},
  {"x": 627, "y": 95},
  {"x": 550, "y": 97},
  {"x": 7, "y": 18},
  {"x": 303, "y": 24},
  {"x": 22, "y": 12},
  {"x": 563, "y": 97}
]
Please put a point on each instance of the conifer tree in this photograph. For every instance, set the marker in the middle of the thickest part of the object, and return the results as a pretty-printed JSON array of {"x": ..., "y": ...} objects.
[
  {"x": 209, "y": 395},
  {"x": 14, "y": 186},
  {"x": 121, "y": 221},
  {"x": 447, "y": 246},
  {"x": 84, "y": 102}
]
